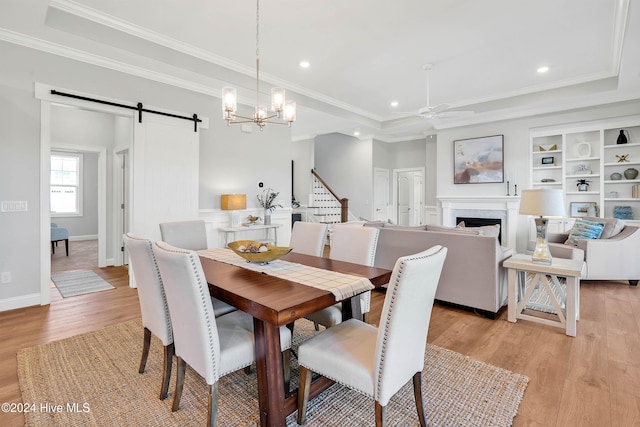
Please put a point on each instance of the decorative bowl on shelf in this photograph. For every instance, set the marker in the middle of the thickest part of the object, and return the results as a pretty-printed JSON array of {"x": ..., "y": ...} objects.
[
  {"x": 254, "y": 251},
  {"x": 616, "y": 176}
]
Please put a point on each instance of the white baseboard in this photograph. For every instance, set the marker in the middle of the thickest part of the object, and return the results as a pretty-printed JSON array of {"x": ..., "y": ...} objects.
[
  {"x": 87, "y": 237},
  {"x": 19, "y": 302}
]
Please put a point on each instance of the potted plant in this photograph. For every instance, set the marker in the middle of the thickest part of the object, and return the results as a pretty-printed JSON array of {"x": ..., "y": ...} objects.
[
  {"x": 583, "y": 184},
  {"x": 266, "y": 200}
]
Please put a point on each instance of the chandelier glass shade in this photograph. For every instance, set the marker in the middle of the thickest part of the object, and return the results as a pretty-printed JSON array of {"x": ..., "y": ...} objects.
[{"x": 282, "y": 111}]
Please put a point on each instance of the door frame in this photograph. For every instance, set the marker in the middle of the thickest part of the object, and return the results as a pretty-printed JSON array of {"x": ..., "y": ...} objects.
[
  {"x": 47, "y": 100},
  {"x": 397, "y": 172}
]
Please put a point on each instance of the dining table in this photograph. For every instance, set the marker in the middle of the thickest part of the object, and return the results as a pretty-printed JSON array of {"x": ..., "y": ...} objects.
[{"x": 273, "y": 302}]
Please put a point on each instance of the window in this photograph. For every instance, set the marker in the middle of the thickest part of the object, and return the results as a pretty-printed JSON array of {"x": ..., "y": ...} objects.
[{"x": 65, "y": 185}]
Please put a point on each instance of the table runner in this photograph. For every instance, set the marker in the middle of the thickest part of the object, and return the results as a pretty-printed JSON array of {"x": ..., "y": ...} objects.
[{"x": 341, "y": 285}]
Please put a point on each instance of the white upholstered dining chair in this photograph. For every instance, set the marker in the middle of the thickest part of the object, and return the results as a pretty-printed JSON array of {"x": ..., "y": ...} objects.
[
  {"x": 308, "y": 238},
  {"x": 153, "y": 304},
  {"x": 379, "y": 361},
  {"x": 354, "y": 244},
  {"x": 212, "y": 346},
  {"x": 185, "y": 234},
  {"x": 191, "y": 235}
]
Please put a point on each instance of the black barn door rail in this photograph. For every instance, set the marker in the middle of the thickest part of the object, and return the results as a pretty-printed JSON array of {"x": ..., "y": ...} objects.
[{"x": 138, "y": 107}]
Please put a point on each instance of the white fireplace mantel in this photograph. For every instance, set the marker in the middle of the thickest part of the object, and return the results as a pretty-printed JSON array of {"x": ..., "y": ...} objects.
[{"x": 503, "y": 207}]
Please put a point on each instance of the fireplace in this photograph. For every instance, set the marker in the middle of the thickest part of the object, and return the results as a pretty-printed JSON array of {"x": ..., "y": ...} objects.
[
  {"x": 479, "y": 222},
  {"x": 501, "y": 209}
]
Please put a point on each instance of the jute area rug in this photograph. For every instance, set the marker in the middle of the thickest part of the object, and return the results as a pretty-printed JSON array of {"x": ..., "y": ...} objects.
[
  {"x": 94, "y": 377},
  {"x": 80, "y": 282}
]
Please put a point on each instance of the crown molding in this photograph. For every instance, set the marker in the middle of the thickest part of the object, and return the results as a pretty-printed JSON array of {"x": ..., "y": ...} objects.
[{"x": 101, "y": 18}]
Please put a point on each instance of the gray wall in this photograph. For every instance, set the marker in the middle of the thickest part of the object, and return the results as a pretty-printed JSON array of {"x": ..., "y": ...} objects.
[
  {"x": 229, "y": 159},
  {"x": 346, "y": 165}
]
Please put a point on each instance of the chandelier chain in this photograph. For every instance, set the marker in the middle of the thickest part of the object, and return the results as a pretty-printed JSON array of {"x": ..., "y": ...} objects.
[{"x": 257, "y": 53}]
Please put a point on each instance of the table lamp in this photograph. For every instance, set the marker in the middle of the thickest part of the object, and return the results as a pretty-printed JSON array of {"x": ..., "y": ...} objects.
[
  {"x": 542, "y": 203},
  {"x": 233, "y": 203}
]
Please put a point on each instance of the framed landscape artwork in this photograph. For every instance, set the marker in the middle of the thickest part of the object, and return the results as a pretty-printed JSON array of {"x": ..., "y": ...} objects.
[{"x": 478, "y": 160}]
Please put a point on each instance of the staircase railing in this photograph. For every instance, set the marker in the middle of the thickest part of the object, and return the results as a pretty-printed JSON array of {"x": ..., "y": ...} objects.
[{"x": 343, "y": 201}]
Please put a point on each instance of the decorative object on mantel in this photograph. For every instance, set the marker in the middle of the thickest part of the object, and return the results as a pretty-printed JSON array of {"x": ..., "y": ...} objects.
[
  {"x": 631, "y": 173},
  {"x": 285, "y": 111},
  {"x": 622, "y": 139},
  {"x": 583, "y": 149},
  {"x": 478, "y": 160},
  {"x": 622, "y": 158},
  {"x": 542, "y": 203},
  {"x": 266, "y": 200},
  {"x": 233, "y": 203},
  {"x": 547, "y": 147},
  {"x": 583, "y": 184},
  {"x": 616, "y": 176},
  {"x": 623, "y": 212}
]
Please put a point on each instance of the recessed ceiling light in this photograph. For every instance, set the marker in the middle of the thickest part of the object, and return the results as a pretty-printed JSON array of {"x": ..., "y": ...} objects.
[
  {"x": 394, "y": 103},
  {"x": 304, "y": 64},
  {"x": 542, "y": 70},
  {"x": 356, "y": 132}
]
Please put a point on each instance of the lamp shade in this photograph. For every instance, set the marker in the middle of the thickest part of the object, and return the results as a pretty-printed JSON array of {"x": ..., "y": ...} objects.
[
  {"x": 232, "y": 202},
  {"x": 542, "y": 202}
]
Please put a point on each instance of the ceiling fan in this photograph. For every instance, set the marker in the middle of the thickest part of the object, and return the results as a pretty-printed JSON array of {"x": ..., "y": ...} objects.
[{"x": 434, "y": 112}]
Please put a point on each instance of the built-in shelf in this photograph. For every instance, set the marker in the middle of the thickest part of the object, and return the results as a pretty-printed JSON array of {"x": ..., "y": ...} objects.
[{"x": 589, "y": 146}]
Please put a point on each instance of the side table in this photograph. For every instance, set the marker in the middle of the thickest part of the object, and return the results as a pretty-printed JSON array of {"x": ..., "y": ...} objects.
[
  {"x": 245, "y": 228},
  {"x": 547, "y": 277}
]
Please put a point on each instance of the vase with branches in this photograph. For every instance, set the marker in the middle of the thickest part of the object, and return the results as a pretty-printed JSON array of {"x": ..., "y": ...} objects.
[{"x": 267, "y": 201}]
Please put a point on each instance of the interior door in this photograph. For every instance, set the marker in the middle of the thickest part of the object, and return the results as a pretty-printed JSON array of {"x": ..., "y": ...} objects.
[
  {"x": 164, "y": 173},
  {"x": 409, "y": 193},
  {"x": 381, "y": 194},
  {"x": 405, "y": 195}
]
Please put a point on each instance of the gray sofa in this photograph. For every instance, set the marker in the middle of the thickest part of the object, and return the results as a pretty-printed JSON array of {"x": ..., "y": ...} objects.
[{"x": 472, "y": 275}]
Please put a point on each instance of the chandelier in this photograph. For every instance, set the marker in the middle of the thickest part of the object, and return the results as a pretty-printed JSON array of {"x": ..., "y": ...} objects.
[{"x": 283, "y": 112}]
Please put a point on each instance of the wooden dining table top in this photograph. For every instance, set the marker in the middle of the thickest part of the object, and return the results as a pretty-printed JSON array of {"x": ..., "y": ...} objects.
[{"x": 285, "y": 300}]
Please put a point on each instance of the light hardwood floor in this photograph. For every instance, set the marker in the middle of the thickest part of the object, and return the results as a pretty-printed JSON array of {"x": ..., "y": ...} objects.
[{"x": 590, "y": 380}]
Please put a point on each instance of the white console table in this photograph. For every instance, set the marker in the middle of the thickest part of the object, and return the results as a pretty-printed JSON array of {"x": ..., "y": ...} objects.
[{"x": 270, "y": 232}]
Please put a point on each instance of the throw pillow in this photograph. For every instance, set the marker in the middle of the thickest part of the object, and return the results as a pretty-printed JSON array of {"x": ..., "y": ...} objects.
[
  {"x": 583, "y": 229},
  {"x": 612, "y": 226},
  {"x": 487, "y": 230}
]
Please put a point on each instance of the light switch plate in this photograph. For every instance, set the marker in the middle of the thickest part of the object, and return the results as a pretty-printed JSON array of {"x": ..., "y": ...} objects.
[{"x": 13, "y": 206}]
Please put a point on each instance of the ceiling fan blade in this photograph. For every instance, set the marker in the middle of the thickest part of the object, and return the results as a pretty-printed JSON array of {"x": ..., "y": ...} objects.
[
  {"x": 454, "y": 113},
  {"x": 439, "y": 108}
]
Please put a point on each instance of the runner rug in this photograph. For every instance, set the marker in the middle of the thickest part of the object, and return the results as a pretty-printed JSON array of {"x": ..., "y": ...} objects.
[
  {"x": 79, "y": 283},
  {"x": 92, "y": 380}
]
